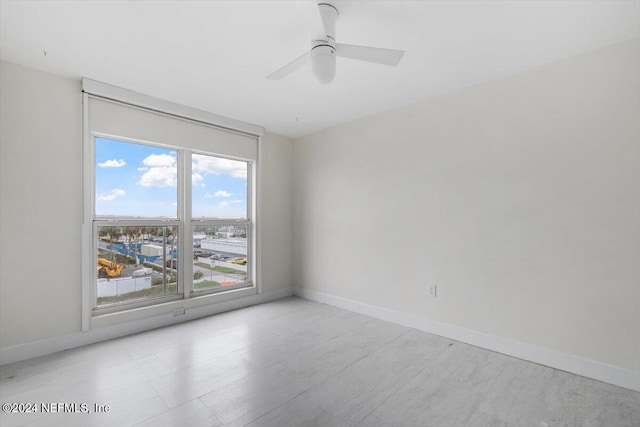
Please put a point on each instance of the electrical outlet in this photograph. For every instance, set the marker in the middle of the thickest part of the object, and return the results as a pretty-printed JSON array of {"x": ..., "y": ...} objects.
[
  {"x": 433, "y": 291},
  {"x": 178, "y": 311}
]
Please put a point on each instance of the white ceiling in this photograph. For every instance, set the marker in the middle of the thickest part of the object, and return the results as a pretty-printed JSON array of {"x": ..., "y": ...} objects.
[{"x": 215, "y": 55}]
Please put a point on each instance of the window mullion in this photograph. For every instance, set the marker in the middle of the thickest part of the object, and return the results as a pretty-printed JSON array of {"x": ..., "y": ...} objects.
[{"x": 184, "y": 202}]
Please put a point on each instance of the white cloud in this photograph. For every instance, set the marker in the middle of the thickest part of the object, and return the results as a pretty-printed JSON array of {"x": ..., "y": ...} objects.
[
  {"x": 235, "y": 202},
  {"x": 159, "y": 160},
  {"x": 223, "y": 204},
  {"x": 159, "y": 171},
  {"x": 219, "y": 193},
  {"x": 196, "y": 178},
  {"x": 116, "y": 192},
  {"x": 114, "y": 163},
  {"x": 218, "y": 166},
  {"x": 160, "y": 177}
]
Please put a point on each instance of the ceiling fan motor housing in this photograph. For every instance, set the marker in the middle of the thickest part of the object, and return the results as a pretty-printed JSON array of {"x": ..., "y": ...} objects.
[
  {"x": 323, "y": 51},
  {"x": 323, "y": 61}
]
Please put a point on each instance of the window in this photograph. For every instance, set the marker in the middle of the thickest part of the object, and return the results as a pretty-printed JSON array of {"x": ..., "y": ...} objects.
[
  {"x": 228, "y": 264},
  {"x": 138, "y": 223},
  {"x": 135, "y": 263},
  {"x": 169, "y": 210},
  {"x": 220, "y": 222},
  {"x": 136, "y": 257}
]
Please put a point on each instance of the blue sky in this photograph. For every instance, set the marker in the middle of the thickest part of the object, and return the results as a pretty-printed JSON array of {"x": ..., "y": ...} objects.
[{"x": 136, "y": 180}]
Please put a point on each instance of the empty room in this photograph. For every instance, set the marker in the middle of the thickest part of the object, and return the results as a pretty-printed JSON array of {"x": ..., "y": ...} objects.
[{"x": 310, "y": 213}]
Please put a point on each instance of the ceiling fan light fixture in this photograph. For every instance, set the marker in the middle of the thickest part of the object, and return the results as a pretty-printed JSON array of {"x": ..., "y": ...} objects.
[{"x": 323, "y": 63}]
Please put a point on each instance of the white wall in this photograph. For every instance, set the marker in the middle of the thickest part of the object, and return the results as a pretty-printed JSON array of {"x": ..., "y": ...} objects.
[
  {"x": 519, "y": 198},
  {"x": 40, "y": 206},
  {"x": 277, "y": 212}
]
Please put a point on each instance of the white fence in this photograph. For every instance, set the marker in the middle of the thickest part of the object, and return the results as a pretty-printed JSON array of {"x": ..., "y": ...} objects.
[{"x": 113, "y": 287}]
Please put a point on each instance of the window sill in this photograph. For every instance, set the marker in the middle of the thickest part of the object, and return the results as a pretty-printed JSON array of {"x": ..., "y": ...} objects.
[{"x": 168, "y": 307}]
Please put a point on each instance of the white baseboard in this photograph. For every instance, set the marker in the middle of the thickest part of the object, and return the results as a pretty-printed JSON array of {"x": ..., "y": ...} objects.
[
  {"x": 77, "y": 339},
  {"x": 576, "y": 365}
]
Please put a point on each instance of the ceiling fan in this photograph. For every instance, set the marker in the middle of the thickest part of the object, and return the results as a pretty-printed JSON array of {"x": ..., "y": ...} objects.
[{"x": 324, "y": 50}]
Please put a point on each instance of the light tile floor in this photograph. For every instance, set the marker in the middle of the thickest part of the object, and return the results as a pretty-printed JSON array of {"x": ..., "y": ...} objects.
[{"x": 298, "y": 363}]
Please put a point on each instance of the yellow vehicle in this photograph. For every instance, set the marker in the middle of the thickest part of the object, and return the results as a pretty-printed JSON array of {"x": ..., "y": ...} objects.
[
  {"x": 240, "y": 261},
  {"x": 108, "y": 268}
]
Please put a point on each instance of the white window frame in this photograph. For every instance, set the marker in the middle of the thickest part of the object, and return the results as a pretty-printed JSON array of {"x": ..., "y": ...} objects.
[
  {"x": 178, "y": 221},
  {"x": 185, "y": 298},
  {"x": 190, "y": 223}
]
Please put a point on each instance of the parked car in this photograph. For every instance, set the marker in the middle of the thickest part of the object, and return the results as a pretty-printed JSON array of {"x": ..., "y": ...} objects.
[{"x": 199, "y": 253}]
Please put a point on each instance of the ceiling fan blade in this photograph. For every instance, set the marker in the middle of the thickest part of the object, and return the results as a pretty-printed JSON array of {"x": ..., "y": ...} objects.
[
  {"x": 369, "y": 54},
  {"x": 290, "y": 67},
  {"x": 328, "y": 15}
]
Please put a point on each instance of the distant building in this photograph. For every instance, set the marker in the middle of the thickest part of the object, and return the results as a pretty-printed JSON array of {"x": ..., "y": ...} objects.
[{"x": 234, "y": 245}]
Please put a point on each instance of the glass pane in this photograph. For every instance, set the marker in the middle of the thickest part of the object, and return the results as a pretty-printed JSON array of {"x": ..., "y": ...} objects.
[
  {"x": 136, "y": 263},
  {"x": 219, "y": 187},
  {"x": 135, "y": 180},
  {"x": 220, "y": 256}
]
